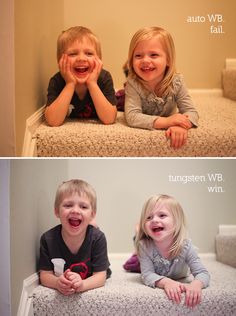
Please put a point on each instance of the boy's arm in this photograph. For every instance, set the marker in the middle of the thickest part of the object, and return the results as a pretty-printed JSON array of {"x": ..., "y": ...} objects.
[
  {"x": 61, "y": 284},
  {"x": 56, "y": 112},
  {"x": 98, "y": 279},
  {"x": 105, "y": 110}
]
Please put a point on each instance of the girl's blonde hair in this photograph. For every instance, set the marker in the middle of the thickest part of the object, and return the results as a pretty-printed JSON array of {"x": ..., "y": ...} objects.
[
  {"x": 167, "y": 43},
  {"x": 80, "y": 187},
  {"x": 76, "y": 33},
  {"x": 179, "y": 232}
]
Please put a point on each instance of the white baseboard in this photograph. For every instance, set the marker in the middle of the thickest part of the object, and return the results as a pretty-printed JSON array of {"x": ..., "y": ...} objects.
[
  {"x": 29, "y": 146},
  {"x": 25, "y": 306}
]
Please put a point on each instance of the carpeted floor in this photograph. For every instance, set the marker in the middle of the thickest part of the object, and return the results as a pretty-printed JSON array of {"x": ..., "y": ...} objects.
[
  {"x": 125, "y": 295},
  {"x": 215, "y": 136}
]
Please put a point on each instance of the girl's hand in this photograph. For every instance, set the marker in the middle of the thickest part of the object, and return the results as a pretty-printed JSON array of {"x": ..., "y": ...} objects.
[
  {"x": 179, "y": 120},
  {"x": 172, "y": 288},
  {"x": 94, "y": 74},
  {"x": 66, "y": 70},
  {"x": 178, "y": 136},
  {"x": 64, "y": 285},
  {"x": 193, "y": 293},
  {"x": 75, "y": 279}
]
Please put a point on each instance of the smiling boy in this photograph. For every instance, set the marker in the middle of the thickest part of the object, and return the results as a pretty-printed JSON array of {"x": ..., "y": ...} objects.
[
  {"x": 81, "y": 88},
  {"x": 73, "y": 255}
]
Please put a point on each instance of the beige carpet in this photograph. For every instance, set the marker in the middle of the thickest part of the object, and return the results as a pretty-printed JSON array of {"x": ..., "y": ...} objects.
[
  {"x": 125, "y": 295},
  {"x": 215, "y": 136}
]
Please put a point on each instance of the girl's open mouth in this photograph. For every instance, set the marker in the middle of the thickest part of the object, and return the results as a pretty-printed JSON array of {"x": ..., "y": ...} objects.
[{"x": 157, "y": 229}]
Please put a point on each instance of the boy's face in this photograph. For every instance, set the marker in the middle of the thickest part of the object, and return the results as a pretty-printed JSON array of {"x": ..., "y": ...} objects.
[
  {"x": 81, "y": 54},
  {"x": 75, "y": 213}
]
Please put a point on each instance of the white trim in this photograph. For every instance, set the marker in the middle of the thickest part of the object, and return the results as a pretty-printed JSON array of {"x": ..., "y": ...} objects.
[
  {"x": 25, "y": 306},
  {"x": 32, "y": 123}
]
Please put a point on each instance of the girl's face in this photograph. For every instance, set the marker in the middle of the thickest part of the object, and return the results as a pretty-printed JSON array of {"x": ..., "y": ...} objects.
[
  {"x": 150, "y": 61},
  {"x": 81, "y": 54},
  {"x": 75, "y": 213},
  {"x": 159, "y": 224}
]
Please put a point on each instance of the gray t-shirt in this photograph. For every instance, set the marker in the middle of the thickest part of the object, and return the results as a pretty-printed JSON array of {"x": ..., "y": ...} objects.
[
  {"x": 142, "y": 107},
  {"x": 154, "y": 267}
]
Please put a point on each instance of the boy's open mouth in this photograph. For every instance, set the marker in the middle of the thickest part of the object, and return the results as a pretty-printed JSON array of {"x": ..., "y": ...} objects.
[
  {"x": 81, "y": 70},
  {"x": 74, "y": 222}
]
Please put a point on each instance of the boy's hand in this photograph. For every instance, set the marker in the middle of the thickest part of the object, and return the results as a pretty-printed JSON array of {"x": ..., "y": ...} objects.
[
  {"x": 173, "y": 289},
  {"x": 75, "y": 280},
  {"x": 193, "y": 293},
  {"x": 94, "y": 74},
  {"x": 64, "y": 285},
  {"x": 178, "y": 136},
  {"x": 66, "y": 70}
]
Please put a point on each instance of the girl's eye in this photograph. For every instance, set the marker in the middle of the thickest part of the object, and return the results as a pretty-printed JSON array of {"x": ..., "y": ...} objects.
[
  {"x": 137, "y": 56},
  {"x": 150, "y": 217},
  {"x": 154, "y": 55},
  {"x": 162, "y": 215}
]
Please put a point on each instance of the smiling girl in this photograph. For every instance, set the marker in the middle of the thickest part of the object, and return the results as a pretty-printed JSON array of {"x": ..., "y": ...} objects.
[
  {"x": 165, "y": 254},
  {"x": 81, "y": 88},
  {"x": 155, "y": 95}
]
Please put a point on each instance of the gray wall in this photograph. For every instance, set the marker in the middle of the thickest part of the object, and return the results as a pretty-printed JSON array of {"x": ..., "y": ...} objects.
[
  {"x": 5, "y": 292},
  {"x": 122, "y": 187}
]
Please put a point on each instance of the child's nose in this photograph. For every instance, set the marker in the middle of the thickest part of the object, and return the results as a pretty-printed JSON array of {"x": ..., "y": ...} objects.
[
  {"x": 76, "y": 209},
  {"x": 82, "y": 56}
]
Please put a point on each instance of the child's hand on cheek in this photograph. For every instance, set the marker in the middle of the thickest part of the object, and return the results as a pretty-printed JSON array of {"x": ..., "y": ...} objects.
[
  {"x": 64, "y": 285},
  {"x": 66, "y": 69},
  {"x": 75, "y": 280},
  {"x": 96, "y": 69}
]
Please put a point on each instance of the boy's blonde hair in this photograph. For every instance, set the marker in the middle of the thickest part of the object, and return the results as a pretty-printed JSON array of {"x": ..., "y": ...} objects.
[
  {"x": 179, "y": 232},
  {"x": 76, "y": 33},
  {"x": 167, "y": 43},
  {"x": 76, "y": 186}
]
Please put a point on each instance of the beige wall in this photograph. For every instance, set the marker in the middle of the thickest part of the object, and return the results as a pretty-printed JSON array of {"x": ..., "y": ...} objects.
[
  {"x": 37, "y": 24},
  {"x": 200, "y": 55},
  {"x": 7, "y": 79}
]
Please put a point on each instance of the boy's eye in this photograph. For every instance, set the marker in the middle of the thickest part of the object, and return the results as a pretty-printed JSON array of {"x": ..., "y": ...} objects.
[
  {"x": 67, "y": 205},
  {"x": 72, "y": 54},
  {"x": 89, "y": 54},
  {"x": 84, "y": 206}
]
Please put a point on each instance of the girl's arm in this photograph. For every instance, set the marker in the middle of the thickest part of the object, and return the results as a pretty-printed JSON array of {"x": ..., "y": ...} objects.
[
  {"x": 133, "y": 110},
  {"x": 185, "y": 103},
  {"x": 149, "y": 276},
  {"x": 105, "y": 110}
]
